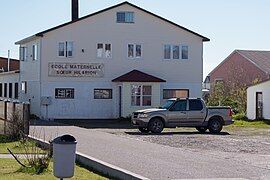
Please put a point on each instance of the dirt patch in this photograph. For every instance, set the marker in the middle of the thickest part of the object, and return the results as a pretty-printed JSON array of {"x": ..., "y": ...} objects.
[{"x": 237, "y": 139}]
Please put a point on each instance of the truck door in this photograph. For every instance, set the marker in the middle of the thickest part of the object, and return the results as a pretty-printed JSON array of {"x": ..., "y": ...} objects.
[
  {"x": 196, "y": 112},
  {"x": 178, "y": 112}
]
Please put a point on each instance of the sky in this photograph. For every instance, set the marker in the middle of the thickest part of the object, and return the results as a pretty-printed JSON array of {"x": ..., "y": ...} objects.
[{"x": 230, "y": 24}]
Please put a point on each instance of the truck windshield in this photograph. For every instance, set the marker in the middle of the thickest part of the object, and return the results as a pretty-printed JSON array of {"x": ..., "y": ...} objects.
[{"x": 168, "y": 104}]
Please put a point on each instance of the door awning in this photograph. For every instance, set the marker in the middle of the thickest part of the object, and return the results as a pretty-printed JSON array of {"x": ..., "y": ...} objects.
[{"x": 137, "y": 76}]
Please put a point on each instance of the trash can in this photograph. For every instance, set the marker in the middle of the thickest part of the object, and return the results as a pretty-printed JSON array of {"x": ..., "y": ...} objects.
[{"x": 64, "y": 154}]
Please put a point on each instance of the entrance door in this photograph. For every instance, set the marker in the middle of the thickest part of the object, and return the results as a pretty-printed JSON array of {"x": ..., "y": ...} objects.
[
  {"x": 259, "y": 105},
  {"x": 120, "y": 102}
]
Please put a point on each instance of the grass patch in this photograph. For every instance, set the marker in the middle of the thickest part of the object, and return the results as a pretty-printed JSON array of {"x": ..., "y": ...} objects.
[
  {"x": 9, "y": 169},
  {"x": 15, "y": 146},
  {"x": 251, "y": 123}
]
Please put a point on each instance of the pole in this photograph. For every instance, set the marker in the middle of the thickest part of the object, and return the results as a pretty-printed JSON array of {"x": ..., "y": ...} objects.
[{"x": 8, "y": 60}]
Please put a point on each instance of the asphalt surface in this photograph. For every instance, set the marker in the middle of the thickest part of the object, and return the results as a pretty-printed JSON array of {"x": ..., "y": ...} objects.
[{"x": 156, "y": 161}]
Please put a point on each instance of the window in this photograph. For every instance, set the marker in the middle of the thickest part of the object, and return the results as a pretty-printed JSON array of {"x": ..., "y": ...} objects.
[
  {"x": 125, "y": 17},
  {"x": 176, "y": 52},
  {"x": 134, "y": 51},
  {"x": 102, "y": 93},
  {"x": 167, "y": 52},
  {"x": 179, "y": 106},
  {"x": 5, "y": 89},
  {"x": 64, "y": 93},
  {"x": 195, "y": 105},
  {"x": 24, "y": 87},
  {"x": 1, "y": 90},
  {"x": 23, "y": 53},
  {"x": 184, "y": 52},
  {"x": 104, "y": 50},
  {"x": 35, "y": 52},
  {"x": 65, "y": 49},
  {"x": 16, "y": 94},
  {"x": 173, "y": 52},
  {"x": 10, "y": 90},
  {"x": 175, "y": 93},
  {"x": 61, "y": 49},
  {"x": 69, "y": 49},
  {"x": 141, "y": 95}
]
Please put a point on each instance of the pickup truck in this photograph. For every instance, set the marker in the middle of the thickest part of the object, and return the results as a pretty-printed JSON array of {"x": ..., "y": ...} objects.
[{"x": 183, "y": 112}]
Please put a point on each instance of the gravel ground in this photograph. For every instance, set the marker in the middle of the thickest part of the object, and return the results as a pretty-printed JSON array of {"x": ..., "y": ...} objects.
[{"x": 237, "y": 139}]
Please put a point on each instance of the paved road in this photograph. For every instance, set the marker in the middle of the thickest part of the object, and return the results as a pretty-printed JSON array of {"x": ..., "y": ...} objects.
[{"x": 157, "y": 161}]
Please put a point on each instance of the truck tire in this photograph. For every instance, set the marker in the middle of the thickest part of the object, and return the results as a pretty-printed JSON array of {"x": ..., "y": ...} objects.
[
  {"x": 201, "y": 129},
  {"x": 215, "y": 126},
  {"x": 156, "y": 125},
  {"x": 144, "y": 129}
]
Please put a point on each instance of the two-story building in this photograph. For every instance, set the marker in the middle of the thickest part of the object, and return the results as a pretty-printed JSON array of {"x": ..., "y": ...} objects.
[{"x": 109, "y": 64}]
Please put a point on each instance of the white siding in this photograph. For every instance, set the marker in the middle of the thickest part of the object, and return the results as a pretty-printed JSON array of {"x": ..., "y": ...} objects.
[{"x": 251, "y": 100}]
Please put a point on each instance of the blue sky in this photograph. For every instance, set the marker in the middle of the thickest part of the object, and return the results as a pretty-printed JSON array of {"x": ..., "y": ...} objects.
[{"x": 230, "y": 24}]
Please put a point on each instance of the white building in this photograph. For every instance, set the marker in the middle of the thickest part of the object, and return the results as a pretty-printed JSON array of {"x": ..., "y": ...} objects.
[
  {"x": 258, "y": 101},
  {"x": 109, "y": 64}
]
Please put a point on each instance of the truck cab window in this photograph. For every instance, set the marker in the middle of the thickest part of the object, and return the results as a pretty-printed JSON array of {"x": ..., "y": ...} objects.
[
  {"x": 179, "y": 106},
  {"x": 195, "y": 105}
]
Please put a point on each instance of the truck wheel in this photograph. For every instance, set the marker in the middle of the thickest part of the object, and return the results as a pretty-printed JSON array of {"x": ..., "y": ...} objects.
[
  {"x": 144, "y": 129},
  {"x": 201, "y": 129},
  {"x": 215, "y": 126},
  {"x": 156, "y": 125}
]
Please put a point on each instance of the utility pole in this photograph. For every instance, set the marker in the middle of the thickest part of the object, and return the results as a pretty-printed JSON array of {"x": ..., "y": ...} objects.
[{"x": 8, "y": 60}]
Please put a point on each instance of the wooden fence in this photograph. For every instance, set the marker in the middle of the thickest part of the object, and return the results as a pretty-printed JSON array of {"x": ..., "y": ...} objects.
[{"x": 13, "y": 114}]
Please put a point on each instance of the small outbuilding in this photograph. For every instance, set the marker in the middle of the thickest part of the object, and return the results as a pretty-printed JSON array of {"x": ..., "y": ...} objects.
[{"x": 258, "y": 101}]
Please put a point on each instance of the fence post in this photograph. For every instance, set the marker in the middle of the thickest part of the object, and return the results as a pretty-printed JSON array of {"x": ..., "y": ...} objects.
[
  {"x": 5, "y": 117},
  {"x": 26, "y": 118}
]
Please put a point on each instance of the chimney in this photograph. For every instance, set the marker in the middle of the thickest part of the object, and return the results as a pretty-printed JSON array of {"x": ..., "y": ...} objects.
[{"x": 75, "y": 10}]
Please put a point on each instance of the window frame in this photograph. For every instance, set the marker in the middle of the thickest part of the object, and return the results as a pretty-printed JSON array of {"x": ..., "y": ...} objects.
[
  {"x": 35, "y": 52},
  {"x": 103, "y": 54},
  {"x": 174, "y": 90},
  {"x": 141, "y": 95},
  {"x": 125, "y": 17},
  {"x": 103, "y": 89},
  {"x": 57, "y": 96},
  {"x": 23, "y": 53},
  {"x": 182, "y": 46},
  {"x": 134, "y": 51},
  {"x": 65, "y": 49}
]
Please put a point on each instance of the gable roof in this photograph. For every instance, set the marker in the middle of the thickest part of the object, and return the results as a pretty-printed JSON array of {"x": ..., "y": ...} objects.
[
  {"x": 260, "y": 59},
  {"x": 137, "y": 76},
  {"x": 40, "y": 34}
]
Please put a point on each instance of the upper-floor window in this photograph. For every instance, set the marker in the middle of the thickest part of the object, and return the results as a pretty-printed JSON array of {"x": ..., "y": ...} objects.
[
  {"x": 125, "y": 17},
  {"x": 23, "y": 53},
  {"x": 104, "y": 50},
  {"x": 35, "y": 51},
  {"x": 65, "y": 49},
  {"x": 173, "y": 52},
  {"x": 184, "y": 52},
  {"x": 134, "y": 50}
]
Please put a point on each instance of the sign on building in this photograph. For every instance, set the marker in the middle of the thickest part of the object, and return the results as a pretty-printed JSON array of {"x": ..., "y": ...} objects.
[{"x": 76, "y": 69}]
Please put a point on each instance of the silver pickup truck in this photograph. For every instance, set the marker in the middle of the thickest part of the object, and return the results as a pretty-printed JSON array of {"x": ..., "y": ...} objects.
[{"x": 178, "y": 112}]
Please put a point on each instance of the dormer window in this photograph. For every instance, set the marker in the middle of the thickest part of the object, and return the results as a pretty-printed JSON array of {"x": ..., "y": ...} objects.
[{"x": 125, "y": 17}]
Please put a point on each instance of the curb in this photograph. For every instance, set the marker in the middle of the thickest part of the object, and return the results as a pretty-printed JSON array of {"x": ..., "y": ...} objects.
[{"x": 97, "y": 165}]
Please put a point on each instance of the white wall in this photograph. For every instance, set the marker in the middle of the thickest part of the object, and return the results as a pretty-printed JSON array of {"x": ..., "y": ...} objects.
[
  {"x": 251, "y": 100},
  {"x": 147, "y": 30}
]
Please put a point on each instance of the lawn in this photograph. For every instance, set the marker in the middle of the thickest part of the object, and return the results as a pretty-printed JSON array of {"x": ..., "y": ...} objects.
[
  {"x": 252, "y": 123},
  {"x": 11, "y": 170},
  {"x": 16, "y": 146}
]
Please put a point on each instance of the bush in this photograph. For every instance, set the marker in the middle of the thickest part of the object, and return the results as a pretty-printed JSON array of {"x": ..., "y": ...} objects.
[{"x": 240, "y": 116}]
